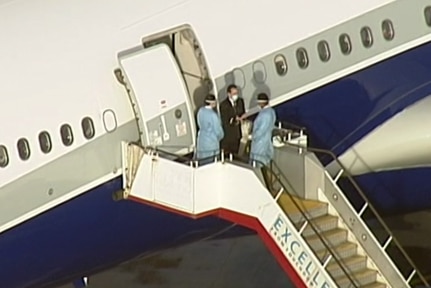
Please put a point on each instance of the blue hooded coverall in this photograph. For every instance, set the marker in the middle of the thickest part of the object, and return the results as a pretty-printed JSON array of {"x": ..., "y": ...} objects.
[
  {"x": 261, "y": 142},
  {"x": 209, "y": 135}
]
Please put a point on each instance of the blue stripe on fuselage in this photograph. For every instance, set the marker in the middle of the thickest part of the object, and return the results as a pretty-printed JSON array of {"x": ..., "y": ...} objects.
[
  {"x": 340, "y": 113},
  {"x": 344, "y": 111}
]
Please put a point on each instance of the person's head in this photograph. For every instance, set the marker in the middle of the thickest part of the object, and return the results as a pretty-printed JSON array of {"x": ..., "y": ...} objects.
[
  {"x": 210, "y": 100},
  {"x": 262, "y": 100},
  {"x": 232, "y": 92}
]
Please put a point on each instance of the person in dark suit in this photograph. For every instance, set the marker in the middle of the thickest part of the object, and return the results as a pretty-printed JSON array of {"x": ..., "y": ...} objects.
[{"x": 232, "y": 112}]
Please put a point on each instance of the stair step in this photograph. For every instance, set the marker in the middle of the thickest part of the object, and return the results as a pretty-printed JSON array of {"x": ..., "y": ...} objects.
[
  {"x": 312, "y": 208},
  {"x": 332, "y": 237},
  {"x": 375, "y": 285},
  {"x": 351, "y": 264},
  {"x": 342, "y": 251},
  {"x": 323, "y": 223},
  {"x": 361, "y": 278}
]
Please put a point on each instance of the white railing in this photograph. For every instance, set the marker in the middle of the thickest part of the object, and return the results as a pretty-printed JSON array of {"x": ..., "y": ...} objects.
[{"x": 395, "y": 263}]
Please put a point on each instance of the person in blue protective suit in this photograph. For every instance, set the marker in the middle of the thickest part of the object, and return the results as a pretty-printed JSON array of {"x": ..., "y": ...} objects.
[
  {"x": 210, "y": 132},
  {"x": 261, "y": 150}
]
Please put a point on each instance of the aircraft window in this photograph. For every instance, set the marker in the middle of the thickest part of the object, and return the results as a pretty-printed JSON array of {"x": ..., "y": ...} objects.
[
  {"x": 324, "y": 52},
  {"x": 367, "y": 37},
  {"x": 4, "y": 156},
  {"x": 428, "y": 15},
  {"x": 259, "y": 72},
  {"x": 66, "y": 134},
  {"x": 109, "y": 120},
  {"x": 45, "y": 142},
  {"x": 388, "y": 29},
  {"x": 23, "y": 149},
  {"x": 345, "y": 44},
  {"x": 280, "y": 65},
  {"x": 88, "y": 128},
  {"x": 239, "y": 77},
  {"x": 302, "y": 58}
]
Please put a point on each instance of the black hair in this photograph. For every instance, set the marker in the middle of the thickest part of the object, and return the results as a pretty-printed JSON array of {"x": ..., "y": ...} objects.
[
  {"x": 230, "y": 87},
  {"x": 210, "y": 97},
  {"x": 262, "y": 97}
]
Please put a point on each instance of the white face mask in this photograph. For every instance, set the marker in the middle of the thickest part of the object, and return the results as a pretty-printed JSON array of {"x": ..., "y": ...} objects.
[{"x": 234, "y": 97}]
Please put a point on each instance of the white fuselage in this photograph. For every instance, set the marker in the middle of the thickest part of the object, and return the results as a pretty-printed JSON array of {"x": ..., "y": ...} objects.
[{"x": 58, "y": 59}]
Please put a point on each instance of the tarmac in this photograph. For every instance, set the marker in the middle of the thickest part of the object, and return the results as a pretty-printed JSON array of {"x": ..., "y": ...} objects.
[
  {"x": 243, "y": 261},
  {"x": 223, "y": 263}
]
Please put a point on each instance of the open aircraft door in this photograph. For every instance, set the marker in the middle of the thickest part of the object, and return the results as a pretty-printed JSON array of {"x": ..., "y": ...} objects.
[{"x": 159, "y": 98}]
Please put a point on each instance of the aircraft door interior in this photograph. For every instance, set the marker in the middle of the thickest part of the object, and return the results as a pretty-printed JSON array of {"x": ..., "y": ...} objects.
[{"x": 160, "y": 99}]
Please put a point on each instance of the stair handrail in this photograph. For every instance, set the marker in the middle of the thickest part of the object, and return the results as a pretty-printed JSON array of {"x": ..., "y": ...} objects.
[
  {"x": 285, "y": 124},
  {"x": 308, "y": 220},
  {"x": 365, "y": 198},
  {"x": 158, "y": 150}
]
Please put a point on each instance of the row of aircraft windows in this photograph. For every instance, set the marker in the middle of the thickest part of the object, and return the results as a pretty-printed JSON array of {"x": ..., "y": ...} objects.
[
  {"x": 45, "y": 142},
  {"x": 345, "y": 47},
  {"x": 87, "y": 125},
  {"x": 345, "y": 43}
]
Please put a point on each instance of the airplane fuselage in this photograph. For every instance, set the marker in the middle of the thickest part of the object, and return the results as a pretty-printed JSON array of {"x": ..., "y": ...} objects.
[{"x": 65, "y": 113}]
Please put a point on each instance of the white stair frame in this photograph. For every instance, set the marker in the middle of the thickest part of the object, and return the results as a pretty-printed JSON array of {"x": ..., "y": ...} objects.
[
  {"x": 316, "y": 177},
  {"x": 198, "y": 191}
]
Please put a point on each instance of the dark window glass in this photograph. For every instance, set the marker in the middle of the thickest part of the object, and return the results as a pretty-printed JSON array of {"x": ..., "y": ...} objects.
[
  {"x": 87, "y": 126},
  {"x": 324, "y": 52},
  {"x": 367, "y": 37},
  {"x": 388, "y": 30},
  {"x": 66, "y": 134},
  {"x": 428, "y": 15},
  {"x": 302, "y": 58},
  {"x": 280, "y": 65},
  {"x": 45, "y": 142},
  {"x": 4, "y": 156},
  {"x": 345, "y": 44},
  {"x": 23, "y": 149}
]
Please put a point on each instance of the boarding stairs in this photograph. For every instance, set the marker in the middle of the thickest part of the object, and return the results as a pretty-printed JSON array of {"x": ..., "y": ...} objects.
[{"x": 294, "y": 204}]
